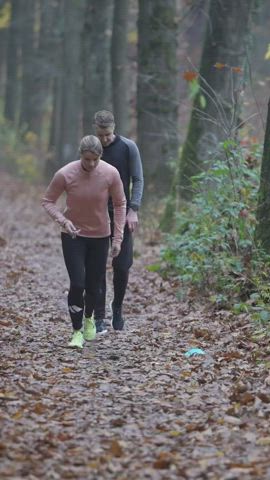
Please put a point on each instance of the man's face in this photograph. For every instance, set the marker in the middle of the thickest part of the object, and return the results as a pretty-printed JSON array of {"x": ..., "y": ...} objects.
[
  {"x": 89, "y": 160},
  {"x": 105, "y": 135}
]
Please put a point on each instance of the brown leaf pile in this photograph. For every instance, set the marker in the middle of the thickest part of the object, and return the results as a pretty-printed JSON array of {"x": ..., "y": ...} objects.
[{"x": 130, "y": 406}]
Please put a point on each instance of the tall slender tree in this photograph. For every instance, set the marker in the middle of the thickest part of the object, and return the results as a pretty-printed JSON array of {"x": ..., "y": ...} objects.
[
  {"x": 12, "y": 62},
  {"x": 28, "y": 15},
  {"x": 44, "y": 64},
  {"x": 262, "y": 234},
  {"x": 96, "y": 59},
  {"x": 119, "y": 64},
  {"x": 67, "y": 88},
  {"x": 157, "y": 97},
  {"x": 4, "y": 28},
  {"x": 216, "y": 108},
  {"x": 55, "y": 124}
]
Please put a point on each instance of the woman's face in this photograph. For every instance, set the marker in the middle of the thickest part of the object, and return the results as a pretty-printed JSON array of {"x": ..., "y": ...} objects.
[{"x": 89, "y": 161}]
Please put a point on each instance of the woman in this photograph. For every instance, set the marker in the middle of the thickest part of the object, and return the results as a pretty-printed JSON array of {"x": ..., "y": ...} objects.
[{"x": 85, "y": 225}]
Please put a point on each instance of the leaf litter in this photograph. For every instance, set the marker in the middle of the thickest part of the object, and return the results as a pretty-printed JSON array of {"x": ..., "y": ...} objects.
[{"x": 130, "y": 405}]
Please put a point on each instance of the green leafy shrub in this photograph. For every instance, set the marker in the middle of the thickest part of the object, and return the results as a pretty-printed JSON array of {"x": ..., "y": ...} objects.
[
  {"x": 19, "y": 155},
  {"x": 213, "y": 249}
]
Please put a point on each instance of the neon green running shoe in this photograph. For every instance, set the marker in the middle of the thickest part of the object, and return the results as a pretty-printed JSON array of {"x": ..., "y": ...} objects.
[
  {"x": 89, "y": 332},
  {"x": 77, "y": 340}
]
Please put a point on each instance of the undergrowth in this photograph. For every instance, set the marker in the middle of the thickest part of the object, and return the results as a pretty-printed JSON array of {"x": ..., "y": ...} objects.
[{"x": 212, "y": 249}]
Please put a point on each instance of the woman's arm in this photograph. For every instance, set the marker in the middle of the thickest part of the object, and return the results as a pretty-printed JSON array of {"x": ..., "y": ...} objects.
[
  {"x": 119, "y": 208},
  {"x": 53, "y": 192}
]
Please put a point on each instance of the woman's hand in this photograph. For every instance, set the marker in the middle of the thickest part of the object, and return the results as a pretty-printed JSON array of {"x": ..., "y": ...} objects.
[
  {"x": 70, "y": 229},
  {"x": 115, "y": 250}
]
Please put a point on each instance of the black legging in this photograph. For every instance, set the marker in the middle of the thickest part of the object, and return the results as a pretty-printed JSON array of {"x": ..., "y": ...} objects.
[
  {"x": 85, "y": 259},
  {"x": 121, "y": 266}
]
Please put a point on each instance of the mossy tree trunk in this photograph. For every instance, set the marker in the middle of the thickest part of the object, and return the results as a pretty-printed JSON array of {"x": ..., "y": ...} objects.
[
  {"x": 216, "y": 108},
  {"x": 262, "y": 234},
  {"x": 157, "y": 96}
]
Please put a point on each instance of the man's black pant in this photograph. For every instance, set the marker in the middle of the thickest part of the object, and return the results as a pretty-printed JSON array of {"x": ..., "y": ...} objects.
[
  {"x": 121, "y": 265},
  {"x": 85, "y": 259}
]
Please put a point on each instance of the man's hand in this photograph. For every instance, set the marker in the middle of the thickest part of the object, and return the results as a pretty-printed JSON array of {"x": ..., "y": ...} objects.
[
  {"x": 132, "y": 220},
  {"x": 115, "y": 250},
  {"x": 70, "y": 229}
]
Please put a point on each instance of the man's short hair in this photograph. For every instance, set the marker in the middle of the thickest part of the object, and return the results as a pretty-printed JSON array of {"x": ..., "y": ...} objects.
[{"x": 104, "y": 119}]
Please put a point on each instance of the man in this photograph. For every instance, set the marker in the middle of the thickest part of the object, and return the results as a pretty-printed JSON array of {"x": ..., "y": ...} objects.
[{"x": 123, "y": 154}]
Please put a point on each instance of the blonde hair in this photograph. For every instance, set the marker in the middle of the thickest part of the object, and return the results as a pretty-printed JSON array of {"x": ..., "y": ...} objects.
[
  {"x": 90, "y": 143},
  {"x": 104, "y": 119}
]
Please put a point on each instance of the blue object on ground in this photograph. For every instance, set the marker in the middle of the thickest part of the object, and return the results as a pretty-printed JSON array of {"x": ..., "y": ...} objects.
[{"x": 194, "y": 351}]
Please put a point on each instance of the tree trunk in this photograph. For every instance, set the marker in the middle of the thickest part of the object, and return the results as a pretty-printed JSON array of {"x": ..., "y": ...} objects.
[
  {"x": 12, "y": 82},
  {"x": 44, "y": 65},
  {"x": 96, "y": 60},
  {"x": 215, "y": 114},
  {"x": 65, "y": 123},
  {"x": 157, "y": 97},
  {"x": 262, "y": 234},
  {"x": 28, "y": 16},
  {"x": 3, "y": 48},
  {"x": 119, "y": 65},
  {"x": 56, "y": 88}
]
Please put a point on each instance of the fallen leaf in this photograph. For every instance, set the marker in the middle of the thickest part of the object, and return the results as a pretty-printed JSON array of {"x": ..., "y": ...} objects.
[
  {"x": 116, "y": 449},
  {"x": 263, "y": 441},
  {"x": 220, "y": 66},
  {"x": 190, "y": 75}
]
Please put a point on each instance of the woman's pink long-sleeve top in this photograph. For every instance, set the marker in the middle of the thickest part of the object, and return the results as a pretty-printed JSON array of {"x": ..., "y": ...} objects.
[{"x": 87, "y": 195}]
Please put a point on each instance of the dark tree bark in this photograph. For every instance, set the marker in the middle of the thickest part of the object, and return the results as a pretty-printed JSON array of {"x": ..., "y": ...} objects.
[
  {"x": 67, "y": 144},
  {"x": 12, "y": 63},
  {"x": 221, "y": 86},
  {"x": 58, "y": 29},
  {"x": 28, "y": 16},
  {"x": 3, "y": 51},
  {"x": 262, "y": 234},
  {"x": 96, "y": 59},
  {"x": 157, "y": 98},
  {"x": 119, "y": 65},
  {"x": 44, "y": 70}
]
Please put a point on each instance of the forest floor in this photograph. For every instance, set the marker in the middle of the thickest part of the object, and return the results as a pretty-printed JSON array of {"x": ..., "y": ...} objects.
[{"x": 130, "y": 405}]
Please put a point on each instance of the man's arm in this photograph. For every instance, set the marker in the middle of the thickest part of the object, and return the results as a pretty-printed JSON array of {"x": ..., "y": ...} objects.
[{"x": 136, "y": 173}]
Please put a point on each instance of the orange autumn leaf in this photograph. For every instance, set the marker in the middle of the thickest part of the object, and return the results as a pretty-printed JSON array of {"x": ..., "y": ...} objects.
[
  {"x": 189, "y": 75},
  {"x": 220, "y": 66},
  {"x": 237, "y": 69}
]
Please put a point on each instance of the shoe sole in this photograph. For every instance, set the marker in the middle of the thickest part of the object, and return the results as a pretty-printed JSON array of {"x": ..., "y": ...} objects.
[
  {"x": 89, "y": 339},
  {"x": 118, "y": 329}
]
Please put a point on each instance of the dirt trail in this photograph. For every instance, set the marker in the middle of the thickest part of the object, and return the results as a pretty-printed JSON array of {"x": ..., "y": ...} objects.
[{"x": 130, "y": 405}]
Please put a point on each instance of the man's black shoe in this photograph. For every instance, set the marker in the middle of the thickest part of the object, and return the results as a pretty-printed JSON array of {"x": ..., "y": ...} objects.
[{"x": 117, "y": 319}]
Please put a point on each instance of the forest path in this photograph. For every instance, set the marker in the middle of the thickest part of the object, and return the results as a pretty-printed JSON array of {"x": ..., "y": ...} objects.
[{"x": 130, "y": 405}]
